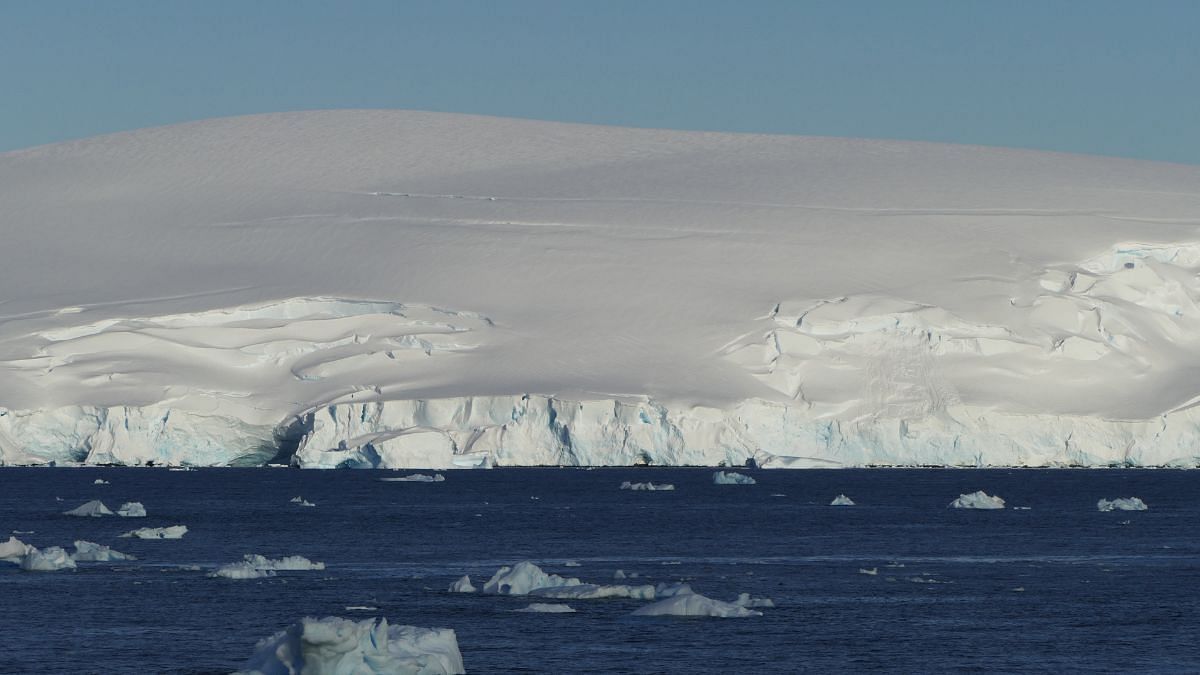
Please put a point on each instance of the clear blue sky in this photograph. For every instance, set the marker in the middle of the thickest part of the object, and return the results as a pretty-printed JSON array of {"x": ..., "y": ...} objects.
[{"x": 1092, "y": 76}]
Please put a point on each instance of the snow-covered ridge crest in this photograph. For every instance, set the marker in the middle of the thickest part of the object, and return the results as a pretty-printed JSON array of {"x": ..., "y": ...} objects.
[{"x": 272, "y": 287}]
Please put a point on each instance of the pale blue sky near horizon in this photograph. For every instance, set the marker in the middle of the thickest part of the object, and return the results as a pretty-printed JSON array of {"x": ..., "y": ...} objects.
[{"x": 1105, "y": 77}]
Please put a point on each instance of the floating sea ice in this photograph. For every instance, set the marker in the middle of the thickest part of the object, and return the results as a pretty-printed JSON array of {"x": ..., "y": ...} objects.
[
  {"x": 619, "y": 574},
  {"x": 47, "y": 560},
  {"x": 100, "y": 481},
  {"x": 646, "y": 486},
  {"x": 172, "y": 532},
  {"x": 86, "y": 551},
  {"x": 291, "y": 563},
  {"x": 340, "y": 647},
  {"x": 572, "y": 563},
  {"x": 301, "y": 501},
  {"x": 241, "y": 570},
  {"x": 842, "y": 500},
  {"x": 463, "y": 585},
  {"x": 870, "y": 571},
  {"x": 547, "y": 608},
  {"x": 14, "y": 549},
  {"x": 694, "y": 604},
  {"x": 596, "y": 592},
  {"x": 977, "y": 500},
  {"x": 744, "y": 600},
  {"x": 416, "y": 478},
  {"x": 1122, "y": 504},
  {"x": 522, "y": 578},
  {"x": 732, "y": 478},
  {"x": 132, "y": 510},
  {"x": 362, "y": 608},
  {"x": 92, "y": 509}
]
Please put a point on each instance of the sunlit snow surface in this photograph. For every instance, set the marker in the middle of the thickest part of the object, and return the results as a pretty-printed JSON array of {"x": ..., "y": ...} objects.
[
  {"x": 400, "y": 289},
  {"x": 943, "y": 597}
]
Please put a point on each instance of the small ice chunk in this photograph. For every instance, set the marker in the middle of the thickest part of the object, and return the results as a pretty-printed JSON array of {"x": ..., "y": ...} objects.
[
  {"x": 522, "y": 578},
  {"x": 977, "y": 500},
  {"x": 92, "y": 509},
  {"x": 86, "y": 551},
  {"x": 291, "y": 563},
  {"x": 47, "y": 560},
  {"x": 463, "y": 585},
  {"x": 842, "y": 500},
  {"x": 744, "y": 600},
  {"x": 572, "y": 563},
  {"x": 732, "y": 478},
  {"x": 100, "y": 481},
  {"x": 694, "y": 604},
  {"x": 416, "y": 478},
  {"x": 869, "y": 571},
  {"x": 172, "y": 532},
  {"x": 14, "y": 549},
  {"x": 1122, "y": 504},
  {"x": 547, "y": 608},
  {"x": 619, "y": 575},
  {"x": 132, "y": 510},
  {"x": 596, "y": 591},
  {"x": 362, "y": 608},
  {"x": 241, "y": 570},
  {"x": 651, "y": 487},
  {"x": 336, "y": 645},
  {"x": 301, "y": 501}
]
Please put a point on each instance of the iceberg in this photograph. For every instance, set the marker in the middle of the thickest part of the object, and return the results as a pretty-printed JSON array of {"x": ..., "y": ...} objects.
[
  {"x": 49, "y": 559},
  {"x": 337, "y": 646},
  {"x": 416, "y": 478},
  {"x": 172, "y": 532},
  {"x": 86, "y": 551},
  {"x": 732, "y": 478},
  {"x": 92, "y": 509},
  {"x": 694, "y": 604},
  {"x": 595, "y": 592},
  {"x": 14, "y": 550},
  {"x": 744, "y": 600},
  {"x": 1122, "y": 504},
  {"x": 977, "y": 500},
  {"x": 100, "y": 481},
  {"x": 241, "y": 571},
  {"x": 646, "y": 487},
  {"x": 463, "y": 585},
  {"x": 842, "y": 500},
  {"x": 301, "y": 501},
  {"x": 546, "y": 608},
  {"x": 132, "y": 510},
  {"x": 523, "y": 578},
  {"x": 289, "y": 563}
]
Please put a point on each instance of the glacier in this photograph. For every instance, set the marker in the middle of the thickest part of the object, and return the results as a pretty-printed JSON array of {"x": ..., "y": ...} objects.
[{"x": 397, "y": 289}]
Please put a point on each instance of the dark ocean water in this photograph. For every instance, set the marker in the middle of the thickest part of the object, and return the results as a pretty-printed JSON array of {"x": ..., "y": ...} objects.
[{"x": 1102, "y": 592}]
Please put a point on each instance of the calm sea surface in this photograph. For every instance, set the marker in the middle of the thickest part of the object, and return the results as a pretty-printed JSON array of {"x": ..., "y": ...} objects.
[{"x": 1059, "y": 587}]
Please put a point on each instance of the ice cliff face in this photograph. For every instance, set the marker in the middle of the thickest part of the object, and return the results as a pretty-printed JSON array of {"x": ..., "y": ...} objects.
[{"x": 397, "y": 289}]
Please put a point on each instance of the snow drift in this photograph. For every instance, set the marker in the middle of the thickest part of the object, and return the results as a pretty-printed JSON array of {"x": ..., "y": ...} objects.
[{"x": 399, "y": 289}]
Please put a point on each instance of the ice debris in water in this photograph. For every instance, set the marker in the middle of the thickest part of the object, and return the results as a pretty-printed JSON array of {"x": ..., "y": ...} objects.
[
  {"x": 13, "y": 550},
  {"x": 301, "y": 501},
  {"x": 463, "y": 585},
  {"x": 254, "y": 566},
  {"x": 526, "y": 578},
  {"x": 172, "y": 532},
  {"x": 86, "y": 551},
  {"x": 92, "y": 509},
  {"x": 416, "y": 478},
  {"x": 646, "y": 486},
  {"x": 744, "y": 600},
  {"x": 100, "y": 481},
  {"x": 869, "y": 571},
  {"x": 49, "y": 559},
  {"x": 547, "y": 608},
  {"x": 132, "y": 510},
  {"x": 1122, "y": 504},
  {"x": 977, "y": 500},
  {"x": 842, "y": 500},
  {"x": 522, "y": 578},
  {"x": 337, "y": 646},
  {"x": 694, "y": 604},
  {"x": 732, "y": 478},
  {"x": 240, "y": 570}
]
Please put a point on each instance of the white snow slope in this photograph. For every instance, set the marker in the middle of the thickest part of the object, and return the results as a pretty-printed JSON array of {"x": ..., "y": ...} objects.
[{"x": 405, "y": 289}]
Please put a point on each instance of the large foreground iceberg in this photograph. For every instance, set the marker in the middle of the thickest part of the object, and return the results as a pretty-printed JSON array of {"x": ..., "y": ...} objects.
[
  {"x": 280, "y": 289},
  {"x": 337, "y": 646}
]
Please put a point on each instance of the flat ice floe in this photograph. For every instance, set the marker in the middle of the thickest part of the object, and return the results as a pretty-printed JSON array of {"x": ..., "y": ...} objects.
[
  {"x": 337, "y": 646},
  {"x": 92, "y": 509},
  {"x": 416, "y": 478},
  {"x": 132, "y": 510},
  {"x": 842, "y": 500},
  {"x": 977, "y": 500},
  {"x": 1122, "y": 504},
  {"x": 86, "y": 551},
  {"x": 172, "y": 532},
  {"x": 646, "y": 487},
  {"x": 546, "y": 608},
  {"x": 694, "y": 604},
  {"x": 732, "y": 478}
]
